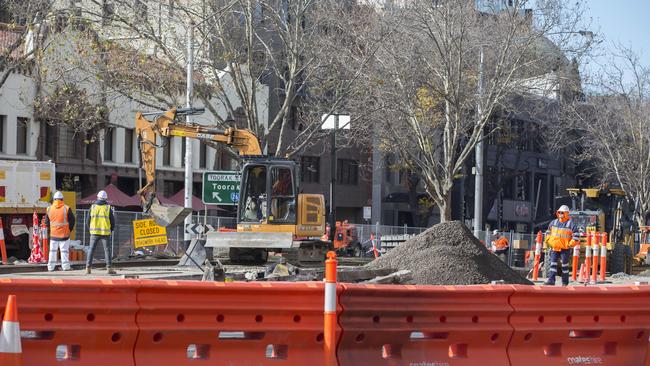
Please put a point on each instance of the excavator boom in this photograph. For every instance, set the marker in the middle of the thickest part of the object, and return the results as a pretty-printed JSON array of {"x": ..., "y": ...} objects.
[{"x": 163, "y": 124}]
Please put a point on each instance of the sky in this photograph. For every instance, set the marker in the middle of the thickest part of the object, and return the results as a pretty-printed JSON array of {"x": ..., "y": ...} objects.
[{"x": 622, "y": 21}]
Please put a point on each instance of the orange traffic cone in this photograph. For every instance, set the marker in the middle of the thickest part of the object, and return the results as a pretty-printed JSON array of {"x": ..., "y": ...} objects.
[{"x": 11, "y": 353}]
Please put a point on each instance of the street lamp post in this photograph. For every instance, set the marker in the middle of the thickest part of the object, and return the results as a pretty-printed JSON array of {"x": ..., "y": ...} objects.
[{"x": 334, "y": 122}]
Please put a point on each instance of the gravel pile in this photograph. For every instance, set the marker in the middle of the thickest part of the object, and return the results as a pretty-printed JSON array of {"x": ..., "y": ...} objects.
[{"x": 448, "y": 254}]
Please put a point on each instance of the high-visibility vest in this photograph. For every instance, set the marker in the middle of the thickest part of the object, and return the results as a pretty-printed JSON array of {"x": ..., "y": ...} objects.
[
  {"x": 59, "y": 226},
  {"x": 100, "y": 222},
  {"x": 561, "y": 234},
  {"x": 501, "y": 243}
]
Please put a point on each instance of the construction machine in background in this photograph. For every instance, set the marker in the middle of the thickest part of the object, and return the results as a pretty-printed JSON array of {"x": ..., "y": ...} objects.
[
  {"x": 606, "y": 210},
  {"x": 271, "y": 214}
]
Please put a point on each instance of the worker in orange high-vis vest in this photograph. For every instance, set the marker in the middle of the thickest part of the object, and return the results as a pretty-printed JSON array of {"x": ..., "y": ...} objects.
[
  {"x": 60, "y": 222},
  {"x": 500, "y": 244},
  {"x": 561, "y": 236}
]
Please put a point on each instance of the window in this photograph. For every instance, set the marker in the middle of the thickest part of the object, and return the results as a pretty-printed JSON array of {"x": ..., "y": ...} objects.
[
  {"x": 50, "y": 136},
  {"x": 203, "y": 156},
  {"x": 167, "y": 152},
  {"x": 128, "y": 145},
  {"x": 348, "y": 171},
  {"x": 108, "y": 145},
  {"x": 183, "y": 147},
  {"x": 310, "y": 169},
  {"x": 283, "y": 202},
  {"x": 67, "y": 144},
  {"x": 3, "y": 123},
  {"x": 22, "y": 128}
]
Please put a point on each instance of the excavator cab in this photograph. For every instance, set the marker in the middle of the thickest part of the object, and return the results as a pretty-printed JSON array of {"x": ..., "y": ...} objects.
[{"x": 268, "y": 192}]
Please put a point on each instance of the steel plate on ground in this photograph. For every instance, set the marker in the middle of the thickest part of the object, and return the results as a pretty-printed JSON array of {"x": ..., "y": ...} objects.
[{"x": 249, "y": 240}]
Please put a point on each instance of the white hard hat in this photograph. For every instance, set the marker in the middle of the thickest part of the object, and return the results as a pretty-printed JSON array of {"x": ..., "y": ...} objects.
[
  {"x": 495, "y": 232},
  {"x": 563, "y": 208},
  {"x": 58, "y": 195},
  {"x": 102, "y": 195}
]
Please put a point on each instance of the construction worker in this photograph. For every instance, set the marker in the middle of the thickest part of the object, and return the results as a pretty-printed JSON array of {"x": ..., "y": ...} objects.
[
  {"x": 60, "y": 221},
  {"x": 561, "y": 236},
  {"x": 500, "y": 245},
  {"x": 101, "y": 225}
]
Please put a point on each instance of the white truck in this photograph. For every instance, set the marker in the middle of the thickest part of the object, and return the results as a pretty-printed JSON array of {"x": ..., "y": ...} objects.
[{"x": 25, "y": 188}]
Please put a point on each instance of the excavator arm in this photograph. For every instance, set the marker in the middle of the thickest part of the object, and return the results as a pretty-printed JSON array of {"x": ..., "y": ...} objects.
[{"x": 163, "y": 124}]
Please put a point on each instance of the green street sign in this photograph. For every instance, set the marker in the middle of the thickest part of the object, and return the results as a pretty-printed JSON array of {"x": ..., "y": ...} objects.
[{"x": 221, "y": 188}]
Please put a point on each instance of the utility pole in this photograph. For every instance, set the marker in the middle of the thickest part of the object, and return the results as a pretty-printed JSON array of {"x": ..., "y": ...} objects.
[
  {"x": 333, "y": 180},
  {"x": 188, "y": 142},
  {"x": 478, "y": 177}
]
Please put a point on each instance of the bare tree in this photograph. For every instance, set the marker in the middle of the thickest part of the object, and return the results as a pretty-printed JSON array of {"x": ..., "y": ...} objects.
[
  {"x": 446, "y": 70},
  {"x": 270, "y": 65},
  {"x": 22, "y": 33},
  {"x": 610, "y": 129}
]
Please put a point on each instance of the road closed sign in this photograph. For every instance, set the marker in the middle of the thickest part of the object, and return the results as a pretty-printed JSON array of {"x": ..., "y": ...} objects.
[
  {"x": 147, "y": 233},
  {"x": 221, "y": 188}
]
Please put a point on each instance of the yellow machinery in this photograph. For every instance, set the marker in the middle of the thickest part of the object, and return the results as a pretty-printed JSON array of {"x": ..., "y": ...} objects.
[
  {"x": 606, "y": 210},
  {"x": 271, "y": 214}
]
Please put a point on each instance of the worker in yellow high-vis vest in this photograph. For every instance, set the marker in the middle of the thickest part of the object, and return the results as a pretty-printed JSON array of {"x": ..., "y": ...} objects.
[{"x": 101, "y": 225}]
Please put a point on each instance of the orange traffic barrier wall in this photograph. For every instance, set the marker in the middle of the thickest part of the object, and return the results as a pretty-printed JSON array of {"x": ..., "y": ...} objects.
[
  {"x": 257, "y": 323},
  {"x": 424, "y": 325},
  {"x": 87, "y": 322},
  {"x": 579, "y": 325}
]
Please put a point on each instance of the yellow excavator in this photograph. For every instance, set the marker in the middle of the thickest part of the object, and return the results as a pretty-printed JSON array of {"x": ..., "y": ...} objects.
[{"x": 271, "y": 214}]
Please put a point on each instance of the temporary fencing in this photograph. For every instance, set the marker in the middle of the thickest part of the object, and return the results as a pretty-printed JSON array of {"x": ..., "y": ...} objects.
[
  {"x": 148, "y": 322},
  {"x": 428, "y": 325},
  {"x": 91, "y": 322},
  {"x": 579, "y": 325}
]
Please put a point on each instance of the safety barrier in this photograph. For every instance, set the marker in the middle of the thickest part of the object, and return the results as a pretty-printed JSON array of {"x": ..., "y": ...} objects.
[
  {"x": 424, "y": 325},
  {"x": 194, "y": 323},
  {"x": 579, "y": 325},
  {"x": 148, "y": 322},
  {"x": 89, "y": 322}
]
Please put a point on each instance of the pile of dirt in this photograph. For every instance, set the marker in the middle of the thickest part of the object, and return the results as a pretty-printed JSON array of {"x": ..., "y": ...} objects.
[{"x": 448, "y": 254}]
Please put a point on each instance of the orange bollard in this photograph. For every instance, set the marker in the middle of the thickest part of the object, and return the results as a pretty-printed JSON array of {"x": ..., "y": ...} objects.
[
  {"x": 11, "y": 353},
  {"x": 583, "y": 273},
  {"x": 603, "y": 256},
  {"x": 3, "y": 247},
  {"x": 574, "y": 264},
  {"x": 538, "y": 255},
  {"x": 44, "y": 239},
  {"x": 595, "y": 253},
  {"x": 329, "y": 331},
  {"x": 590, "y": 238}
]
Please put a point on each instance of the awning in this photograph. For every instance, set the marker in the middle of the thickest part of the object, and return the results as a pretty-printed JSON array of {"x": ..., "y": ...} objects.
[{"x": 116, "y": 198}]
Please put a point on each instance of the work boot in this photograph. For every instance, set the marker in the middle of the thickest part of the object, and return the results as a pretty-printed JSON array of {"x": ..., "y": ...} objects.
[
  {"x": 110, "y": 271},
  {"x": 549, "y": 283},
  {"x": 87, "y": 270}
]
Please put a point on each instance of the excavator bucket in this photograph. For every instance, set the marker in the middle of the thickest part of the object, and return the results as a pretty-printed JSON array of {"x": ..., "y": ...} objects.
[{"x": 168, "y": 215}]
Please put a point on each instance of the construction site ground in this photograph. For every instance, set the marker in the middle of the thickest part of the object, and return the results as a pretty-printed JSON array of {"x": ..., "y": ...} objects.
[{"x": 167, "y": 269}]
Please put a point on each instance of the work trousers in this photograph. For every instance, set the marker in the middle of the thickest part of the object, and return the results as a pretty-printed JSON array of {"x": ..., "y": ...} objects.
[
  {"x": 64, "y": 247},
  {"x": 108, "y": 250},
  {"x": 564, "y": 256}
]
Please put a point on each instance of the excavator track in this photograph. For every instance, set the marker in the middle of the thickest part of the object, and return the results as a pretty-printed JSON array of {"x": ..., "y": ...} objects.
[{"x": 309, "y": 253}]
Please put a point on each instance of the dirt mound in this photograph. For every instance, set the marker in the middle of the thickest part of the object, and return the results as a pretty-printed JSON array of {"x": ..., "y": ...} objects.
[{"x": 448, "y": 254}]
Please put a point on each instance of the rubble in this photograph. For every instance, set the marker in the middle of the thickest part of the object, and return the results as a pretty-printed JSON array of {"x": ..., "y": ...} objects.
[{"x": 448, "y": 254}]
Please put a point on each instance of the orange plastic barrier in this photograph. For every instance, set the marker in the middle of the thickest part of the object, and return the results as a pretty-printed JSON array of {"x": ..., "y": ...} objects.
[
  {"x": 257, "y": 323},
  {"x": 89, "y": 322},
  {"x": 579, "y": 325},
  {"x": 424, "y": 325}
]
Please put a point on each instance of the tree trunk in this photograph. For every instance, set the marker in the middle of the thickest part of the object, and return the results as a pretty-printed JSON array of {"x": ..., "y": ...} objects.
[{"x": 445, "y": 208}]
